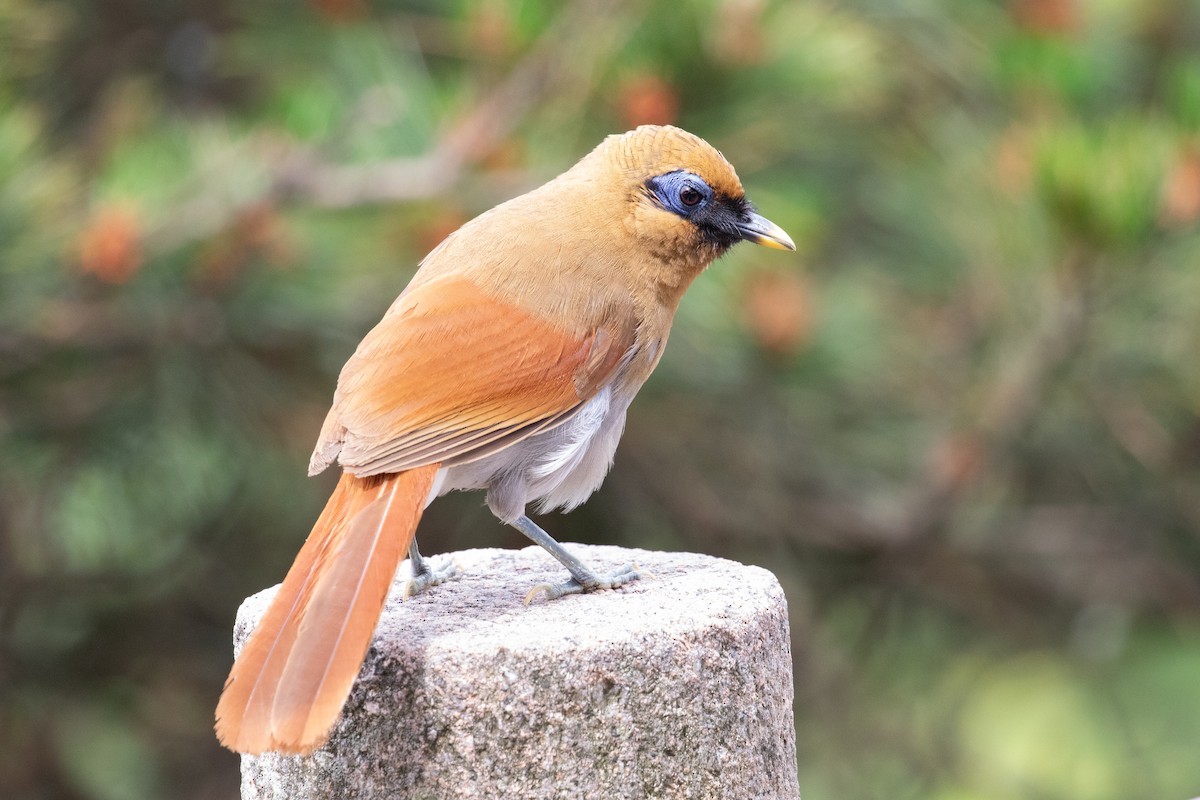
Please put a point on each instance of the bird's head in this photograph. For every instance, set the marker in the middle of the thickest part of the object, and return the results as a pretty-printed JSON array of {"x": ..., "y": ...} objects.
[{"x": 682, "y": 200}]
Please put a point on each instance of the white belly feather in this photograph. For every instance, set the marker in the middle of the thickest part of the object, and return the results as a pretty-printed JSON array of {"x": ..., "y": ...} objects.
[
  {"x": 559, "y": 468},
  {"x": 570, "y": 441}
]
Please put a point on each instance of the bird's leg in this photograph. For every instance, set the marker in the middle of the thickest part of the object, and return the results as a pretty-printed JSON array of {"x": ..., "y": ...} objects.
[
  {"x": 423, "y": 575},
  {"x": 583, "y": 577}
]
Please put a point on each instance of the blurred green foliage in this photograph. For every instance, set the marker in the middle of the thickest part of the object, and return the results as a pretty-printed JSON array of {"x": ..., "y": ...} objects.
[{"x": 963, "y": 426}]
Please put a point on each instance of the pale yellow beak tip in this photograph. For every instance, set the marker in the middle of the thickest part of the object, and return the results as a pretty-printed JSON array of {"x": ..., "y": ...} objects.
[
  {"x": 780, "y": 242},
  {"x": 761, "y": 230}
]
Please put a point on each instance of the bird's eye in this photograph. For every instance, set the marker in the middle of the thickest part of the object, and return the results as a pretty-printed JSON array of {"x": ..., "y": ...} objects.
[{"x": 680, "y": 192}]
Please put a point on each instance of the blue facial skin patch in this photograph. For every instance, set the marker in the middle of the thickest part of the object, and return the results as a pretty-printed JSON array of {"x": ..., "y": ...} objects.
[{"x": 682, "y": 192}]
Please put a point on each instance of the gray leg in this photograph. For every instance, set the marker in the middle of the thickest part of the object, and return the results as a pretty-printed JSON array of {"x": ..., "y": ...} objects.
[
  {"x": 424, "y": 575},
  {"x": 583, "y": 577}
]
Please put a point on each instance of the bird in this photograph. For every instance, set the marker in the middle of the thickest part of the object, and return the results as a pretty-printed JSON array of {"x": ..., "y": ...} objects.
[{"x": 507, "y": 364}]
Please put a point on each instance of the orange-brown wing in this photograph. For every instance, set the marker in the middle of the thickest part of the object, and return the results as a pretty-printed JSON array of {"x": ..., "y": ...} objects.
[{"x": 452, "y": 374}]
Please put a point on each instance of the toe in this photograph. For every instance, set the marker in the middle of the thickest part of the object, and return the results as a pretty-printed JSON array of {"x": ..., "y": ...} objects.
[{"x": 431, "y": 577}]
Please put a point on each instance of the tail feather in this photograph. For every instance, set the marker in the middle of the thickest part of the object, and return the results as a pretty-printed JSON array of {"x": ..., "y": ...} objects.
[{"x": 292, "y": 678}]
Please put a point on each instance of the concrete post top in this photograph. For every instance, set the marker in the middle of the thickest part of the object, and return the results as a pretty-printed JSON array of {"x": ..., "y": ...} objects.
[{"x": 482, "y": 610}]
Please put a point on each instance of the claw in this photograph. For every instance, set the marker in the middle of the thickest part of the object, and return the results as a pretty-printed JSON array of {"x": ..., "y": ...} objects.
[
  {"x": 548, "y": 588},
  {"x": 641, "y": 573},
  {"x": 431, "y": 577},
  {"x": 615, "y": 580}
]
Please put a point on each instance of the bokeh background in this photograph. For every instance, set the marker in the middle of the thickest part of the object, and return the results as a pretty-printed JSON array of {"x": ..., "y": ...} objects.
[{"x": 961, "y": 424}]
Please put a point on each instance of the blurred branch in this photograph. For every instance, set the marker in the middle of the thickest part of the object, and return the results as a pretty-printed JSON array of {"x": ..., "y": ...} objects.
[
  {"x": 1140, "y": 435},
  {"x": 1011, "y": 402},
  {"x": 562, "y": 64}
]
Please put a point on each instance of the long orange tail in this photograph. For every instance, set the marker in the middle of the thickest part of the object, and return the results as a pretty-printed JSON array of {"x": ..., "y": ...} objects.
[{"x": 290, "y": 681}]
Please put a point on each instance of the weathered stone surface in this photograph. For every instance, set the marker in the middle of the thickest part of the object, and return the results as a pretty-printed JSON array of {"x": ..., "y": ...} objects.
[{"x": 678, "y": 685}]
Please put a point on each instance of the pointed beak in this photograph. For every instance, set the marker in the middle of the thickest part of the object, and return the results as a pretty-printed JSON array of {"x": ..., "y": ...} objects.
[{"x": 760, "y": 230}]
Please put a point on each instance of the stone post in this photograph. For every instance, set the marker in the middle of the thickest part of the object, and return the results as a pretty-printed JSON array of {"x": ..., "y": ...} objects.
[{"x": 678, "y": 685}]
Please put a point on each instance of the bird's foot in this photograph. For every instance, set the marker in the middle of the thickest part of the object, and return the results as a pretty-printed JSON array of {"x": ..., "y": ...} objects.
[
  {"x": 430, "y": 576},
  {"x": 626, "y": 574}
]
